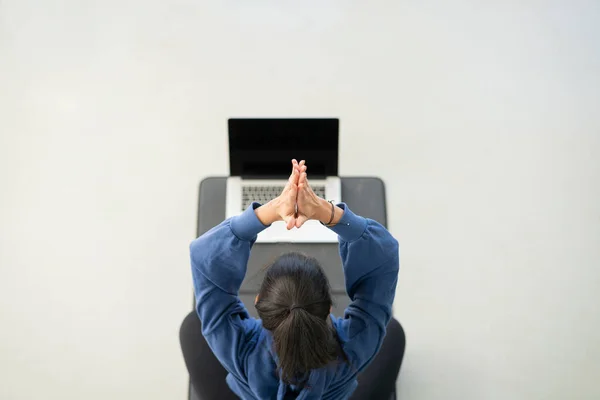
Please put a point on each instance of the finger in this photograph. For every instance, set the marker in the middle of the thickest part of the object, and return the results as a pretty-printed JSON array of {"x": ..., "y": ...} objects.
[
  {"x": 291, "y": 222},
  {"x": 302, "y": 162},
  {"x": 301, "y": 170},
  {"x": 300, "y": 221},
  {"x": 303, "y": 179},
  {"x": 294, "y": 176},
  {"x": 306, "y": 189},
  {"x": 293, "y": 192},
  {"x": 294, "y": 165}
]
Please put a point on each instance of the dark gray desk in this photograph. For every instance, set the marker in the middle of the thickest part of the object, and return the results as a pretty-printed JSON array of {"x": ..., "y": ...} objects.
[{"x": 365, "y": 196}]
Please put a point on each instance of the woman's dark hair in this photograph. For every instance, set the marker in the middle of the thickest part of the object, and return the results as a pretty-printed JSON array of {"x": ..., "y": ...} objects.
[{"x": 294, "y": 303}]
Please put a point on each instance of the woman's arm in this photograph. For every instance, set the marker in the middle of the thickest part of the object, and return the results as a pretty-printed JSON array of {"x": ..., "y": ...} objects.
[
  {"x": 219, "y": 259},
  {"x": 370, "y": 258}
]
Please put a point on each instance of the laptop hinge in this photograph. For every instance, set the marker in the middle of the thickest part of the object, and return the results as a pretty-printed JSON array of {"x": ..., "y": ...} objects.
[{"x": 278, "y": 177}]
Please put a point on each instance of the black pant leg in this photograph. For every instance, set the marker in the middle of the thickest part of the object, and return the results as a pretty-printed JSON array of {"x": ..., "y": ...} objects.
[
  {"x": 378, "y": 380},
  {"x": 206, "y": 372}
]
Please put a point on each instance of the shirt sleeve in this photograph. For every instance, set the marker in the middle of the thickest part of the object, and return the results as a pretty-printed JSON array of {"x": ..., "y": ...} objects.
[
  {"x": 370, "y": 258},
  {"x": 219, "y": 259}
]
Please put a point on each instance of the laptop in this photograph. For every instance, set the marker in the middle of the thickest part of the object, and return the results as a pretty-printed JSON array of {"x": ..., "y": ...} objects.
[{"x": 260, "y": 154}]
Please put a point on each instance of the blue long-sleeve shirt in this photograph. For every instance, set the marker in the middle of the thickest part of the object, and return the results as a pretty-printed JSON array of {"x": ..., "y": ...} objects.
[{"x": 219, "y": 258}]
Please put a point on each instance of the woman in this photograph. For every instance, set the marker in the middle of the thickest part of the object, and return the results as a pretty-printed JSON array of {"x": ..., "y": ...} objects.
[{"x": 297, "y": 349}]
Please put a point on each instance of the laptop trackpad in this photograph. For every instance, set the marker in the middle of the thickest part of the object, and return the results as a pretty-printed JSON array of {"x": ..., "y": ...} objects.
[{"x": 310, "y": 232}]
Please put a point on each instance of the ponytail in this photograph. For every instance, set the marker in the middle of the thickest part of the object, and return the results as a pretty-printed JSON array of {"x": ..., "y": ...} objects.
[
  {"x": 294, "y": 303},
  {"x": 302, "y": 342}
]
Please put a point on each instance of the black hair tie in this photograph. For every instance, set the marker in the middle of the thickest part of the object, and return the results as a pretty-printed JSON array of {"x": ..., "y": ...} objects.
[
  {"x": 294, "y": 306},
  {"x": 332, "y": 214}
]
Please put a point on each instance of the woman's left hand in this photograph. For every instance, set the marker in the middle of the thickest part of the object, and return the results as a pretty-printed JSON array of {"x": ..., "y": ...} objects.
[{"x": 284, "y": 206}]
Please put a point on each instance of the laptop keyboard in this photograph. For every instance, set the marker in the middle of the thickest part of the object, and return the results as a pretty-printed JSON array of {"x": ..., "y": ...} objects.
[{"x": 264, "y": 194}]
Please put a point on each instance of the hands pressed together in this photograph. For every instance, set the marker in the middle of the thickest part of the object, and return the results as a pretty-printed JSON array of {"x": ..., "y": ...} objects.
[{"x": 297, "y": 203}]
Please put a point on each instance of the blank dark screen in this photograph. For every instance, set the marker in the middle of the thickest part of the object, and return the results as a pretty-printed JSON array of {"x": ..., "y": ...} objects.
[{"x": 264, "y": 147}]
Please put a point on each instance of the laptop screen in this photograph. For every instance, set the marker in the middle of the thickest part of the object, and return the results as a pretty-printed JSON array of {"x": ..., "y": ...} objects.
[{"x": 264, "y": 147}]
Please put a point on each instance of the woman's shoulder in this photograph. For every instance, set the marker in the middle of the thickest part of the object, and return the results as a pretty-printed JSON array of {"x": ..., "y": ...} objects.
[
  {"x": 258, "y": 340},
  {"x": 347, "y": 328}
]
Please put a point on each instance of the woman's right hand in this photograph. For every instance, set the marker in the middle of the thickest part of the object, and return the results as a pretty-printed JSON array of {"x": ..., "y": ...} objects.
[{"x": 311, "y": 206}]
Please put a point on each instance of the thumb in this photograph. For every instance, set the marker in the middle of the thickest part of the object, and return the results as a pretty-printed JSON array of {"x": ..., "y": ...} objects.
[
  {"x": 301, "y": 220},
  {"x": 291, "y": 222}
]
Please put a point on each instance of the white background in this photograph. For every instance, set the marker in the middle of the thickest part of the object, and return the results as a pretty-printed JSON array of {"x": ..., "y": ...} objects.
[{"x": 482, "y": 120}]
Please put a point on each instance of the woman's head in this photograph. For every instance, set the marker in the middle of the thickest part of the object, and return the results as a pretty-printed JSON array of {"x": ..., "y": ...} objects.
[{"x": 294, "y": 302}]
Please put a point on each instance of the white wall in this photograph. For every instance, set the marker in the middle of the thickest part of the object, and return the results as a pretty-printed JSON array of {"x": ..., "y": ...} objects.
[{"x": 483, "y": 121}]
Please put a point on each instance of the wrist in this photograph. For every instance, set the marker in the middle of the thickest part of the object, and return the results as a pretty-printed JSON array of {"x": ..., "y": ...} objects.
[
  {"x": 324, "y": 211},
  {"x": 267, "y": 213},
  {"x": 329, "y": 213}
]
